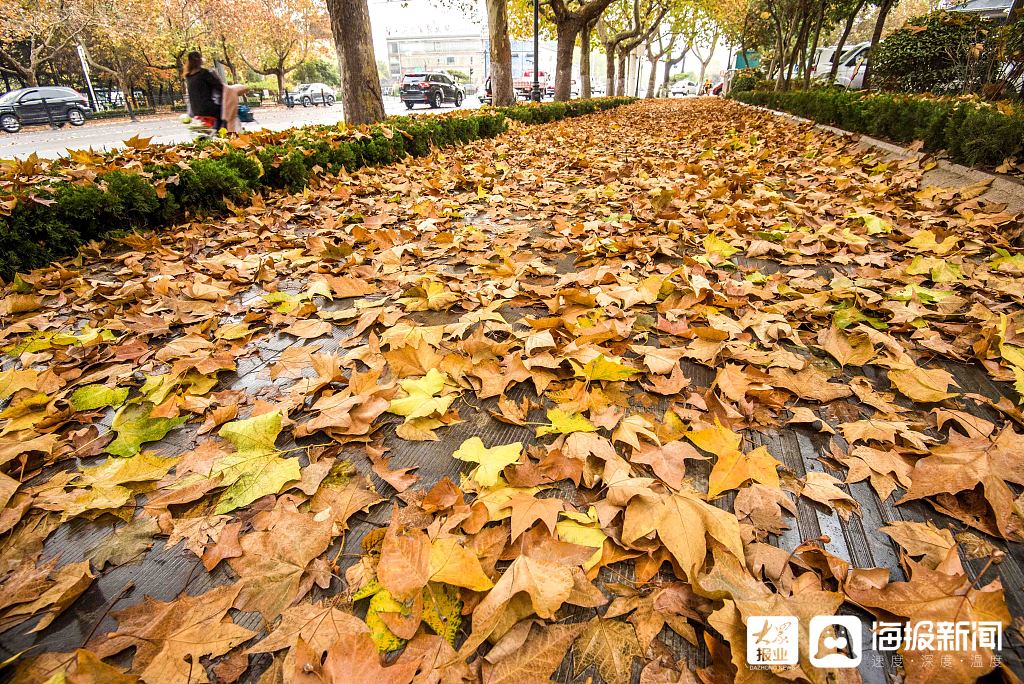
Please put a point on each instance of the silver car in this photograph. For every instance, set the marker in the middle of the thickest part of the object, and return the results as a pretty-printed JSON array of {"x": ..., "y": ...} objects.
[{"x": 311, "y": 95}]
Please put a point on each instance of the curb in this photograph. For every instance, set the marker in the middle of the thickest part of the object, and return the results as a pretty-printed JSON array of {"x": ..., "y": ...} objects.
[{"x": 1004, "y": 184}]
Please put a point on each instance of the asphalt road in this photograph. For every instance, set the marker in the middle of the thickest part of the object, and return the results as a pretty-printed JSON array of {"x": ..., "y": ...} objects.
[{"x": 108, "y": 134}]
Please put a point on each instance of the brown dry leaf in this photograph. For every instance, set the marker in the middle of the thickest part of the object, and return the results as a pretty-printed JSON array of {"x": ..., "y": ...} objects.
[
  {"x": 319, "y": 626},
  {"x": 964, "y": 463},
  {"x": 540, "y": 655},
  {"x": 169, "y": 638},
  {"x": 886, "y": 470},
  {"x": 925, "y": 385},
  {"x": 527, "y": 509},
  {"x": 610, "y": 647},
  {"x": 353, "y": 659},
  {"x": 308, "y": 329},
  {"x": 404, "y": 567},
  {"x": 274, "y": 569},
  {"x": 761, "y": 507},
  {"x": 825, "y": 489},
  {"x": 849, "y": 349},
  {"x": 29, "y": 591},
  {"x": 945, "y": 594},
  {"x": 667, "y": 461},
  {"x": 922, "y": 540}
]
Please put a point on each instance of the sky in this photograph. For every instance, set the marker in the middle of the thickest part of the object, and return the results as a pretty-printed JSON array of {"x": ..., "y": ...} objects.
[{"x": 437, "y": 18}]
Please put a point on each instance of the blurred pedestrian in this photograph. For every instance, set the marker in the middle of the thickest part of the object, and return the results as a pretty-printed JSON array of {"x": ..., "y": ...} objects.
[{"x": 205, "y": 91}]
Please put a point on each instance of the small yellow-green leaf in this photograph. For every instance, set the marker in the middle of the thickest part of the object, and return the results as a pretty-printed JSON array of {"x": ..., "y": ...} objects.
[
  {"x": 564, "y": 423},
  {"x": 135, "y": 426},
  {"x": 97, "y": 396}
]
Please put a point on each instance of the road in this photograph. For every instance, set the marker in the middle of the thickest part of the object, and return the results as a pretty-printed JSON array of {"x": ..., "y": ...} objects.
[{"x": 167, "y": 128}]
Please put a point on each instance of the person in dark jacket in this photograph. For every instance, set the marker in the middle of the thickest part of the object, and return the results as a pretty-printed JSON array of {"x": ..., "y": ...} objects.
[{"x": 205, "y": 90}]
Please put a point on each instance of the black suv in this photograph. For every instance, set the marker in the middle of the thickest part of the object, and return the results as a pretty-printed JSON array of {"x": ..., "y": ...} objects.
[
  {"x": 432, "y": 89},
  {"x": 52, "y": 105}
]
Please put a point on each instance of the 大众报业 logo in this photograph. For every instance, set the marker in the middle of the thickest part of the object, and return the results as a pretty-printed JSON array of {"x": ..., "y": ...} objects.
[{"x": 772, "y": 640}]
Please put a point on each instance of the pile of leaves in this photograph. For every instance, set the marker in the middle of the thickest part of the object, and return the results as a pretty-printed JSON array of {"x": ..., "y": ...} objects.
[{"x": 592, "y": 388}]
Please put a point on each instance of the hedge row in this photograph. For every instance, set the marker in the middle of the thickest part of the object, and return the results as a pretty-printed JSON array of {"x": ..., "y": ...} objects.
[
  {"x": 553, "y": 111},
  {"x": 61, "y": 216},
  {"x": 971, "y": 132}
]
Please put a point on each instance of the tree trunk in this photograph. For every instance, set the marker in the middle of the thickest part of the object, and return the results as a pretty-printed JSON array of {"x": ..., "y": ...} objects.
[
  {"x": 876, "y": 36},
  {"x": 620, "y": 79},
  {"x": 279, "y": 73},
  {"x": 565, "y": 35},
  {"x": 609, "y": 69},
  {"x": 501, "y": 54},
  {"x": 585, "y": 61},
  {"x": 842, "y": 41},
  {"x": 814, "y": 46},
  {"x": 652, "y": 79},
  {"x": 361, "y": 97}
]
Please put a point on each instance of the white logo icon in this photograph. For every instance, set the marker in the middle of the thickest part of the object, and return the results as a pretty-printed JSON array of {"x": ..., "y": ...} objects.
[
  {"x": 772, "y": 640},
  {"x": 834, "y": 641}
]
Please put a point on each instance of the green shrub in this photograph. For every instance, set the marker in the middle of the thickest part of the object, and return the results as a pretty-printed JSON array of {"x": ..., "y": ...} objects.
[
  {"x": 207, "y": 183},
  {"x": 970, "y": 131},
  {"x": 34, "y": 233},
  {"x": 935, "y": 53}
]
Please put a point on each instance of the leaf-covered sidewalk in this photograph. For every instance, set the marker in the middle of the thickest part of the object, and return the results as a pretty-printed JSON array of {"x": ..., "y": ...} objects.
[{"x": 607, "y": 387}]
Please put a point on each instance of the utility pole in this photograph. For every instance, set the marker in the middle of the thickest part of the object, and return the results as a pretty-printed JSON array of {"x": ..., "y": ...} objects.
[
  {"x": 88, "y": 78},
  {"x": 535, "y": 92}
]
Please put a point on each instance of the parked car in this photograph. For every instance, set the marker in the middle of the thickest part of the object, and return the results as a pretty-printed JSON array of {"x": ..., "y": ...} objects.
[
  {"x": 683, "y": 88},
  {"x": 48, "y": 104},
  {"x": 822, "y": 64},
  {"x": 311, "y": 95},
  {"x": 432, "y": 89},
  {"x": 852, "y": 64}
]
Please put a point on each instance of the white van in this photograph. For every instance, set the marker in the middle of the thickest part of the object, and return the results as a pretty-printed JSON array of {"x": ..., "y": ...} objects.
[
  {"x": 851, "y": 66},
  {"x": 822, "y": 65}
]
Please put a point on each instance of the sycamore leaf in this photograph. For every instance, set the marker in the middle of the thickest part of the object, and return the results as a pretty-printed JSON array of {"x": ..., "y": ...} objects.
[
  {"x": 538, "y": 658},
  {"x": 715, "y": 245},
  {"x": 442, "y": 610},
  {"x": 527, "y": 509},
  {"x": 610, "y": 646},
  {"x": 919, "y": 384},
  {"x": 922, "y": 539},
  {"x": 318, "y": 625},
  {"x": 255, "y": 468},
  {"x": 405, "y": 556},
  {"x": 353, "y": 659},
  {"x": 564, "y": 423},
  {"x": 127, "y": 544},
  {"x": 97, "y": 396},
  {"x": 734, "y": 468},
  {"x": 169, "y": 637},
  {"x": 492, "y": 461},
  {"x": 601, "y": 368},
  {"x": 135, "y": 426},
  {"x": 452, "y": 563},
  {"x": 421, "y": 397}
]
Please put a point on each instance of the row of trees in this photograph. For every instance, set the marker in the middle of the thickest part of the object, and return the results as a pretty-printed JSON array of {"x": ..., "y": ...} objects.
[
  {"x": 790, "y": 31},
  {"x": 135, "y": 41}
]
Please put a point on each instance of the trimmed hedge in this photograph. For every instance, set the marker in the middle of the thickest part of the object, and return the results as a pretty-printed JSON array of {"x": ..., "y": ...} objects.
[
  {"x": 197, "y": 178},
  {"x": 971, "y": 132},
  {"x": 552, "y": 111}
]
